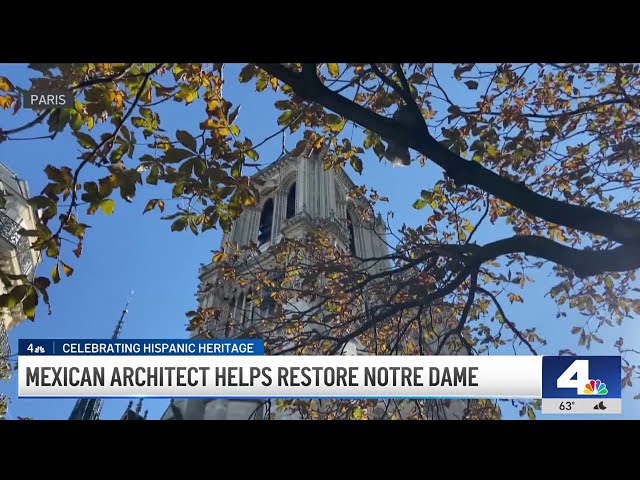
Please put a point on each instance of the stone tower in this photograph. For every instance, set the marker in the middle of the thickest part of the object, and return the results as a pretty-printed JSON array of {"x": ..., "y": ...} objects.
[{"x": 297, "y": 195}]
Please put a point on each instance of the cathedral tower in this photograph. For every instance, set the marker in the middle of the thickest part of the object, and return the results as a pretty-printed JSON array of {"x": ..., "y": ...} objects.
[{"x": 297, "y": 195}]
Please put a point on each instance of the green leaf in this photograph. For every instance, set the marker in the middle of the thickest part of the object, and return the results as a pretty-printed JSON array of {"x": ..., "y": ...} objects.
[
  {"x": 179, "y": 224},
  {"x": 247, "y": 73},
  {"x": 85, "y": 140},
  {"x": 199, "y": 166},
  {"x": 175, "y": 155},
  {"x": 186, "y": 139},
  {"x": 107, "y": 205},
  {"x": 29, "y": 304},
  {"x": 356, "y": 164},
  {"x": 55, "y": 274},
  {"x": 334, "y": 122},
  {"x": 531, "y": 414},
  {"x": 283, "y": 104},
  {"x": 236, "y": 170},
  {"x": 76, "y": 229},
  {"x": 152, "y": 178},
  {"x": 284, "y": 118},
  {"x": 14, "y": 297},
  {"x": 333, "y": 69},
  {"x": 75, "y": 120},
  {"x": 261, "y": 84},
  {"x": 150, "y": 205},
  {"x": 333, "y": 119},
  {"x": 225, "y": 223},
  {"x": 28, "y": 233},
  {"x": 420, "y": 204},
  {"x": 39, "y": 202},
  {"x": 426, "y": 195}
]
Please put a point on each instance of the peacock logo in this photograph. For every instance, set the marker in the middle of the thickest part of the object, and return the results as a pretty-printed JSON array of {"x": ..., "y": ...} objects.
[{"x": 595, "y": 387}]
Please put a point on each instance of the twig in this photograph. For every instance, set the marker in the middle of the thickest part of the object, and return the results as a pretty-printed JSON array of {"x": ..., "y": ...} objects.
[{"x": 507, "y": 321}]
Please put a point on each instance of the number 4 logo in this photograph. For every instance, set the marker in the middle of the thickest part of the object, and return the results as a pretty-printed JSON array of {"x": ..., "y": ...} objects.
[{"x": 578, "y": 369}]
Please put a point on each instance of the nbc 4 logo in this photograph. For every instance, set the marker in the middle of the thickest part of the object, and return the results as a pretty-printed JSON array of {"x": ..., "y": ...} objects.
[{"x": 577, "y": 376}]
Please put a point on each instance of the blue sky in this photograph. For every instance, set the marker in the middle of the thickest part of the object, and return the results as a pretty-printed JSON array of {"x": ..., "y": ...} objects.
[{"x": 130, "y": 251}]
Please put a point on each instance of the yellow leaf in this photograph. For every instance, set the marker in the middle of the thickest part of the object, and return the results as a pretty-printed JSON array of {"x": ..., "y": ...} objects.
[
  {"x": 492, "y": 150},
  {"x": 107, "y": 206},
  {"x": 6, "y": 85},
  {"x": 191, "y": 97},
  {"x": 6, "y": 102},
  {"x": 212, "y": 106},
  {"x": 274, "y": 83},
  {"x": 333, "y": 69},
  {"x": 219, "y": 257},
  {"x": 55, "y": 274},
  {"x": 557, "y": 233},
  {"x": 117, "y": 98},
  {"x": 68, "y": 271},
  {"x": 514, "y": 297}
]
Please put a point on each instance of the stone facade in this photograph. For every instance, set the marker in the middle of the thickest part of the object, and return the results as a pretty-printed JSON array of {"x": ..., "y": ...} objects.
[{"x": 16, "y": 256}]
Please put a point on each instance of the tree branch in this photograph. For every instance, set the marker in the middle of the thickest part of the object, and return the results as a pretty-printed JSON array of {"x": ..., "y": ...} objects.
[
  {"x": 473, "y": 287},
  {"x": 583, "y": 262},
  {"x": 32, "y": 123},
  {"x": 587, "y": 219},
  {"x": 507, "y": 321}
]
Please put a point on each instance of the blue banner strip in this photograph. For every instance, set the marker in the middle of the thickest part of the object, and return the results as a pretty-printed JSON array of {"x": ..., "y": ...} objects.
[{"x": 139, "y": 347}]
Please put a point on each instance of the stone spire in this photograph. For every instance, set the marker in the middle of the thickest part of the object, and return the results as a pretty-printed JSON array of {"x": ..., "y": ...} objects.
[{"x": 90, "y": 408}]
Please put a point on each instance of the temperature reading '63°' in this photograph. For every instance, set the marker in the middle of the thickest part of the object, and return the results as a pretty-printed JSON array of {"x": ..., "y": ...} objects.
[{"x": 566, "y": 405}]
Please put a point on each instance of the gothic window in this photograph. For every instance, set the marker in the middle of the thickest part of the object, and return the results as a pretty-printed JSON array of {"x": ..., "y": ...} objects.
[
  {"x": 352, "y": 236},
  {"x": 266, "y": 222},
  {"x": 291, "y": 201}
]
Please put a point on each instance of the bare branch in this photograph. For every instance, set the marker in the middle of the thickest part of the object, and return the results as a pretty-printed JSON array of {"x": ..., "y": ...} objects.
[{"x": 507, "y": 321}]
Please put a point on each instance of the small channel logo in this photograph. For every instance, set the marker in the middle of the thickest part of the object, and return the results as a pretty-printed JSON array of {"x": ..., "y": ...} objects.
[{"x": 578, "y": 377}]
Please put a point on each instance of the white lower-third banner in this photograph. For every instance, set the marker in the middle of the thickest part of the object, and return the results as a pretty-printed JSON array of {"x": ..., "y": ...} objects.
[{"x": 257, "y": 376}]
